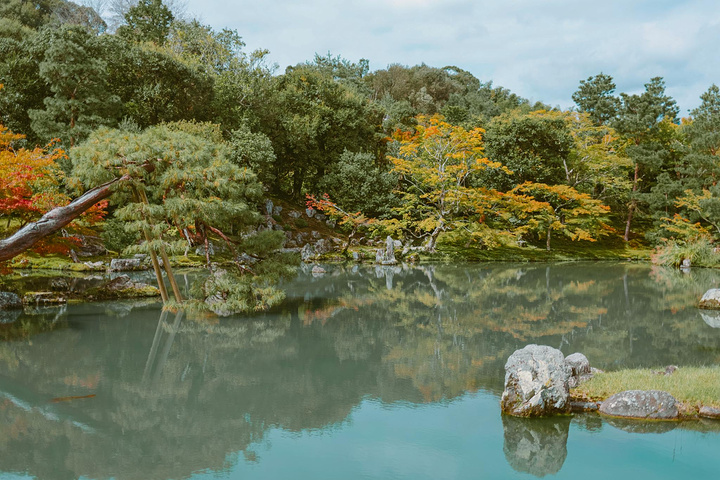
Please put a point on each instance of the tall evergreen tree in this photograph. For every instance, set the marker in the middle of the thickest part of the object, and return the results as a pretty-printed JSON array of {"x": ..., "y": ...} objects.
[
  {"x": 595, "y": 96},
  {"x": 73, "y": 69}
]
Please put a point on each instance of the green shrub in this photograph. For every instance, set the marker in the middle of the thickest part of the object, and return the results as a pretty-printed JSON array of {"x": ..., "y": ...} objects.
[
  {"x": 700, "y": 252},
  {"x": 301, "y": 223},
  {"x": 114, "y": 236}
]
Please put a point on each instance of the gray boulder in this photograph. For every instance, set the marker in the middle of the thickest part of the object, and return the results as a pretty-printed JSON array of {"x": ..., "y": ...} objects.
[
  {"x": 269, "y": 206},
  {"x": 125, "y": 264},
  {"x": 644, "y": 404},
  {"x": 536, "y": 382},
  {"x": 9, "y": 301},
  {"x": 310, "y": 212},
  {"x": 386, "y": 256},
  {"x": 579, "y": 369},
  {"x": 307, "y": 254},
  {"x": 711, "y": 299}
]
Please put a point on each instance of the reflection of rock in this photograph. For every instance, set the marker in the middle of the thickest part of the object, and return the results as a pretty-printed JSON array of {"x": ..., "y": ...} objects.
[
  {"x": 536, "y": 382},
  {"x": 537, "y": 446},
  {"x": 645, "y": 404},
  {"x": 711, "y": 318},
  {"x": 9, "y": 316},
  {"x": 711, "y": 299},
  {"x": 641, "y": 426}
]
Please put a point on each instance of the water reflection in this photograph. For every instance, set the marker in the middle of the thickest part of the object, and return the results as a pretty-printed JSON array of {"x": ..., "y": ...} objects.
[
  {"x": 175, "y": 395},
  {"x": 537, "y": 446}
]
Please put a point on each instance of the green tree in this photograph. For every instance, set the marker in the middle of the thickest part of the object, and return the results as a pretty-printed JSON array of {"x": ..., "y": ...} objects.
[
  {"x": 436, "y": 163},
  {"x": 644, "y": 122},
  {"x": 534, "y": 146},
  {"x": 358, "y": 184},
  {"x": 147, "y": 21},
  {"x": 73, "y": 68},
  {"x": 311, "y": 120},
  {"x": 595, "y": 96},
  {"x": 184, "y": 189}
]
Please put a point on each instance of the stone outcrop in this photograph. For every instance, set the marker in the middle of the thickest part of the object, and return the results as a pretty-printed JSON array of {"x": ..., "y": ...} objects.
[
  {"x": 126, "y": 264},
  {"x": 642, "y": 404},
  {"x": 9, "y": 301},
  {"x": 711, "y": 299},
  {"x": 43, "y": 299},
  {"x": 386, "y": 256},
  {"x": 536, "y": 382}
]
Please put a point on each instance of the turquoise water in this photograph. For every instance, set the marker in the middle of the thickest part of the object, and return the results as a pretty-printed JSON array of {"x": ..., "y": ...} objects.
[{"x": 363, "y": 373}]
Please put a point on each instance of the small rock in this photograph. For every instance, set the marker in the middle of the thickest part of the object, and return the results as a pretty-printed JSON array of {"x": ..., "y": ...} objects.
[
  {"x": 685, "y": 263},
  {"x": 277, "y": 210},
  {"x": 294, "y": 214},
  {"x": 318, "y": 271},
  {"x": 669, "y": 370},
  {"x": 321, "y": 217},
  {"x": 709, "y": 412},
  {"x": 579, "y": 368},
  {"x": 711, "y": 299},
  {"x": 269, "y": 206},
  {"x": 356, "y": 257},
  {"x": 397, "y": 244},
  {"x": 330, "y": 223},
  {"x": 9, "y": 301},
  {"x": 644, "y": 404},
  {"x": 310, "y": 212},
  {"x": 315, "y": 234}
]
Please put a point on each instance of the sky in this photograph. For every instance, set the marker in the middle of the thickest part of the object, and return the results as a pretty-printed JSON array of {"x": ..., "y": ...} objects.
[{"x": 539, "y": 49}]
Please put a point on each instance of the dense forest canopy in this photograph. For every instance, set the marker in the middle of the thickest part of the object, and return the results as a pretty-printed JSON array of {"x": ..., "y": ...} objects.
[{"x": 434, "y": 155}]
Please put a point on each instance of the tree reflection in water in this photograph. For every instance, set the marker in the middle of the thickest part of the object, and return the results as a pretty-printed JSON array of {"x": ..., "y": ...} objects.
[{"x": 175, "y": 395}]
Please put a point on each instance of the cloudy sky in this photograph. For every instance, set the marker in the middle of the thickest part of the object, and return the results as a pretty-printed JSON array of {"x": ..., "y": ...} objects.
[{"x": 539, "y": 49}]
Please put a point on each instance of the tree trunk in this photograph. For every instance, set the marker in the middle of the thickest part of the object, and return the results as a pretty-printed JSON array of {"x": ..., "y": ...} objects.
[
  {"x": 430, "y": 248},
  {"x": 547, "y": 243},
  {"x": 55, "y": 219},
  {"x": 633, "y": 203}
]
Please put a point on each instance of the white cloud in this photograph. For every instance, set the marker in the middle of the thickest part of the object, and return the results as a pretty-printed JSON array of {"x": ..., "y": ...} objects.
[{"x": 538, "y": 49}]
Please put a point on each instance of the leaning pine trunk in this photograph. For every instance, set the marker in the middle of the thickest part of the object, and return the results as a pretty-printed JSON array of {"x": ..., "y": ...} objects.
[{"x": 55, "y": 219}]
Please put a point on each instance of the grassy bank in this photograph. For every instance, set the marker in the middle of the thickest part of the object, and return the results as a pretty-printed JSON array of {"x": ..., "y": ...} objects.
[{"x": 693, "y": 387}]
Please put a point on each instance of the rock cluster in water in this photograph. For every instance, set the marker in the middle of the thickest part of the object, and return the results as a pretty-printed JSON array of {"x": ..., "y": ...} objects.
[{"x": 538, "y": 380}]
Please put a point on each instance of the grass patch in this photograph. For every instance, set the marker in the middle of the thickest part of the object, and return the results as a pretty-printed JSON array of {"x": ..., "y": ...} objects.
[{"x": 692, "y": 386}]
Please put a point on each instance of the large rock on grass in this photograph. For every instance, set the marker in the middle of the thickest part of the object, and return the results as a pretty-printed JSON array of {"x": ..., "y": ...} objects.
[
  {"x": 536, "y": 382},
  {"x": 643, "y": 404}
]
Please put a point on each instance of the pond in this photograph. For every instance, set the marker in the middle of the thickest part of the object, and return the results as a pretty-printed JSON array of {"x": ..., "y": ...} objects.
[{"x": 362, "y": 373}]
